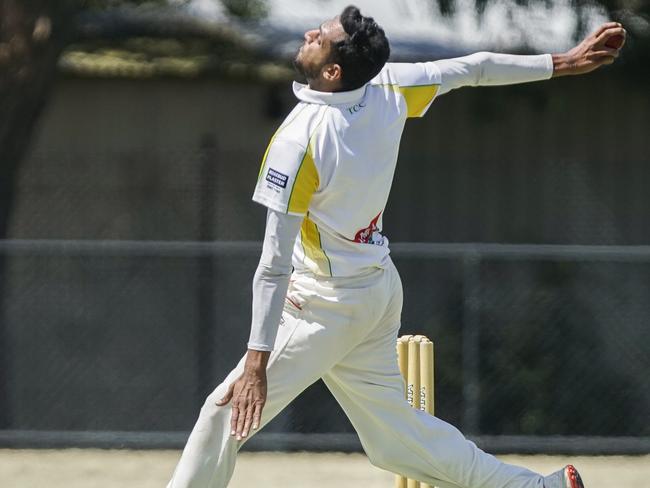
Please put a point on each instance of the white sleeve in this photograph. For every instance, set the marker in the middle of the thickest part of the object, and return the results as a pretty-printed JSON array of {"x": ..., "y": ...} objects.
[
  {"x": 288, "y": 177},
  {"x": 485, "y": 69},
  {"x": 272, "y": 278}
]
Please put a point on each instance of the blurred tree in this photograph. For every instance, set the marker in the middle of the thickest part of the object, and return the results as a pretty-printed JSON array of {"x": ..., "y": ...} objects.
[
  {"x": 247, "y": 9},
  {"x": 33, "y": 33}
]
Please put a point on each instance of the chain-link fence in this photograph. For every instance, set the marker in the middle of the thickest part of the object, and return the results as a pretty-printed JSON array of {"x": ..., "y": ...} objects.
[
  {"x": 116, "y": 340},
  {"x": 128, "y": 337}
]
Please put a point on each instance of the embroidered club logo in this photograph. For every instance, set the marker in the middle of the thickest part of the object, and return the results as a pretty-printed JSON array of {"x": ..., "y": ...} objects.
[
  {"x": 277, "y": 178},
  {"x": 356, "y": 108}
]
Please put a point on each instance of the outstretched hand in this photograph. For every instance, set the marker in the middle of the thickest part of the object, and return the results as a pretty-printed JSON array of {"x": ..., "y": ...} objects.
[
  {"x": 599, "y": 48},
  {"x": 248, "y": 395}
]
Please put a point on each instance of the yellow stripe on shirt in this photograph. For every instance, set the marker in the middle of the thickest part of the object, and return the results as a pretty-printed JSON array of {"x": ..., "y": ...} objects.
[
  {"x": 418, "y": 98},
  {"x": 315, "y": 256},
  {"x": 268, "y": 148},
  {"x": 305, "y": 184},
  {"x": 266, "y": 154}
]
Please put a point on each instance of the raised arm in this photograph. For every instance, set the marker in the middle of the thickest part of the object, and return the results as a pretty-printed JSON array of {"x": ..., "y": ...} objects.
[
  {"x": 489, "y": 69},
  {"x": 485, "y": 69}
]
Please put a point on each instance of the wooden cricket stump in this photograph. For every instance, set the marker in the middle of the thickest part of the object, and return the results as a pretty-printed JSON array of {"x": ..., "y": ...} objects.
[{"x": 415, "y": 359}]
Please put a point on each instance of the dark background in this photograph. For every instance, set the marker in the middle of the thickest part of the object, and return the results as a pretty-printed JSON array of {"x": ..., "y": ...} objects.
[{"x": 99, "y": 338}]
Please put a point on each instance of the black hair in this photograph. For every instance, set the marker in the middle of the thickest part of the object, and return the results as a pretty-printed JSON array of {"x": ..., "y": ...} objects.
[{"x": 363, "y": 52}]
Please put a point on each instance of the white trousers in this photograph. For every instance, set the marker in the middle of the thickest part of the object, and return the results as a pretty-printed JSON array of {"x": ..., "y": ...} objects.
[{"x": 344, "y": 331}]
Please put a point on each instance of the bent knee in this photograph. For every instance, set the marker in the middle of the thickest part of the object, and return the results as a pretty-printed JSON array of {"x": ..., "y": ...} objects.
[{"x": 210, "y": 409}]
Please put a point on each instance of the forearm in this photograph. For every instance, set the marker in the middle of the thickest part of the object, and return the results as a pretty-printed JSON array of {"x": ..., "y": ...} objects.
[
  {"x": 272, "y": 279},
  {"x": 269, "y": 292},
  {"x": 489, "y": 69}
]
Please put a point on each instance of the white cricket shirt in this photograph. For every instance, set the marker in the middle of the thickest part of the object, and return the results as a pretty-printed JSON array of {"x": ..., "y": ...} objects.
[{"x": 332, "y": 161}]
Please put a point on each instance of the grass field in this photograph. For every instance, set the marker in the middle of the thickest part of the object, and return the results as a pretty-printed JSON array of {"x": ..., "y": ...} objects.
[{"x": 93, "y": 468}]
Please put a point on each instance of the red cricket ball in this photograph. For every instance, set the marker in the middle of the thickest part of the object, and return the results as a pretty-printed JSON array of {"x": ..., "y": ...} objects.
[{"x": 615, "y": 42}]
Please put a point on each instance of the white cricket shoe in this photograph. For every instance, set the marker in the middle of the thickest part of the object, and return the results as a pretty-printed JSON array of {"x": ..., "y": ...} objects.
[{"x": 567, "y": 477}]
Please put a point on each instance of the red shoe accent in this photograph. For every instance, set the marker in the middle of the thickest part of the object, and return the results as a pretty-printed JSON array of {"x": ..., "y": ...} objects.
[{"x": 572, "y": 477}]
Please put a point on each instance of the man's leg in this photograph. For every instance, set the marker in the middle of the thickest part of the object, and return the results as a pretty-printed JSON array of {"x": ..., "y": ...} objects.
[
  {"x": 309, "y": 342},
  {"x": 368, "y": 385}
]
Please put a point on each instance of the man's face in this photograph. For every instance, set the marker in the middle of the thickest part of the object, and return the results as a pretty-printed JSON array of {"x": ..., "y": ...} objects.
[{"x": 315, "y": 52}]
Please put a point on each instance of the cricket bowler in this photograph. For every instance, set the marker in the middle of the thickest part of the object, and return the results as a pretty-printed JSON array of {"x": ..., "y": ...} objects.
[{"x": 327, "y": 298}]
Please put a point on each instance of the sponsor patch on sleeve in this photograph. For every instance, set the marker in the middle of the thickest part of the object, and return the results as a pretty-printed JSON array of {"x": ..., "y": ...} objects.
[{"x": 277, "y": 178}]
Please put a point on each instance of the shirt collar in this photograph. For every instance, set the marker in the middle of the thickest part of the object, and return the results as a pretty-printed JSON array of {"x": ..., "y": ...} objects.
[{"x": 306, "y": 94}]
